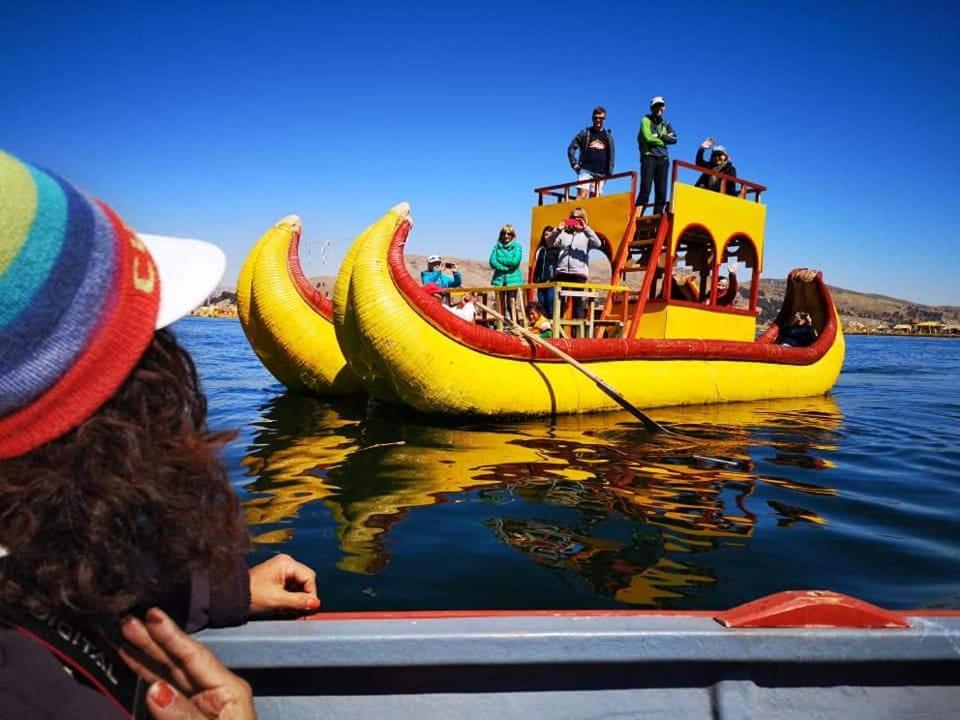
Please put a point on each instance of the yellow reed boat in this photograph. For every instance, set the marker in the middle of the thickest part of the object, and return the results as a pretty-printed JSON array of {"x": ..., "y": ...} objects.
[
  {"x": 640, "y": 335},
  {"x": 288, "y": 322}
]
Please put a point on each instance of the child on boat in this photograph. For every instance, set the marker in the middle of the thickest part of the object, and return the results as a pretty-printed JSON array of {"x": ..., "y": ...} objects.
[
  {"x": 505, "y": 260},
  {"x": 537, "y": 322}
]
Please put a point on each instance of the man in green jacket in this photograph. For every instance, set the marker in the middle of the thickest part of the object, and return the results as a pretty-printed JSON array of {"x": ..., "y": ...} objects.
[{"x": 654, "y": 136}]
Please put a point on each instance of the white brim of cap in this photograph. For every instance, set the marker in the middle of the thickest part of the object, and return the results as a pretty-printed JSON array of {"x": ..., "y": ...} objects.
[{"x": 189, "y": 270}]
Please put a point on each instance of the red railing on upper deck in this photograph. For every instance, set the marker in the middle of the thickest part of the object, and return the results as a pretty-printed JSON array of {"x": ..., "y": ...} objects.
[
  {"x": 562, "y": 192},
  {"x": 747, "y": 188}
]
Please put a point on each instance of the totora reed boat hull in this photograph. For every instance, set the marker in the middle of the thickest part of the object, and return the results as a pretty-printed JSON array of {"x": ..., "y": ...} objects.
[
  {"x": 405, "y": 347},
  {"x": 287, "y": 321}
]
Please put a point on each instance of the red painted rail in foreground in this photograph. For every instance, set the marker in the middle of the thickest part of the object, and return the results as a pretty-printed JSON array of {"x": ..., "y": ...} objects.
[{"x": 788, "y": 609}]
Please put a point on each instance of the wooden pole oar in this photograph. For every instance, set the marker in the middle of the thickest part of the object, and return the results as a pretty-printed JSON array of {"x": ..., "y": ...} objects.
[{"x": 647, "y": 421}]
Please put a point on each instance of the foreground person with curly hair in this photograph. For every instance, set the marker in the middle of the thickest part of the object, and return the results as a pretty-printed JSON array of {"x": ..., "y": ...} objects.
[{"x": 113, "y": 499}]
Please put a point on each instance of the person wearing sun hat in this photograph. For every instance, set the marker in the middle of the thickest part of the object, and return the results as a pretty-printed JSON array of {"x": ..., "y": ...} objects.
[{"x": 112, "y": 495}]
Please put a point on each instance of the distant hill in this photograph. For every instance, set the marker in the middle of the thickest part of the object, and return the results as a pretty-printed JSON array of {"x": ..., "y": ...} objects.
[{"x": 870, "y": 310}]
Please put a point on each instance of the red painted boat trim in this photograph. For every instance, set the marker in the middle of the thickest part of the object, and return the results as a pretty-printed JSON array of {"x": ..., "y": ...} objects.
[
  {"x": 790, "y": 609},
  {"x": 810, "y": 608},
  {"x": 313, "y": 297},
  {"x": 451, "y": 614},
  {"x": 493, "y": 342}
]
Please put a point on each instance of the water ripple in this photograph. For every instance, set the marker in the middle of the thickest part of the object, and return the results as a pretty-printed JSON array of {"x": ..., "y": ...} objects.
[{"x": 856, "y": 492}]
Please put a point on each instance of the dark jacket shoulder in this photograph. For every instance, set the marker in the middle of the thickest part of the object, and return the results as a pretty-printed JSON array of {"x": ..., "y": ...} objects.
[{"x": 33, "y": 684}]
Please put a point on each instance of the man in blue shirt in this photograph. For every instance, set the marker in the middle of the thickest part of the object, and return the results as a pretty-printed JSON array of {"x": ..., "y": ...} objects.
[
  {"x": 434, "y": 273},
  {"x": 591, "y": 154}
]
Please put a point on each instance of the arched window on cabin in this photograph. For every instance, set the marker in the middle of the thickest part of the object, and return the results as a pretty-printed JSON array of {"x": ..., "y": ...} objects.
[
  {"x": 693, "y": 265},
  {"x": 740, "y": 250}
]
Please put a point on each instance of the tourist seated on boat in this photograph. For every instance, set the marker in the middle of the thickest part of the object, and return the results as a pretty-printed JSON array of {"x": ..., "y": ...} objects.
[
  {"x": 537, "y": 321},
  {"x": 591, "y": 153},
  {"x": 800, "y": 332},
  {"x": 505, "y": 259},
  {"x": 114, "y": 499},
  {"x": 727, "y": 286},
  {"x": 544, "y": 269},
  {"x": 464, "y": 307},
  {"x": 435, "y": 273},
  {"x": 719, "y": 162},
  {"x": 574, "y": 238}
]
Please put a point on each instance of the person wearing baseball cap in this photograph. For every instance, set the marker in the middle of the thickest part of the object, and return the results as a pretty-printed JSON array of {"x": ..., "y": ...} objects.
[
  {"x": 112, "y": 495},
  {"x": 434, "y": 273},
  {"x": 654, "y": 136}
]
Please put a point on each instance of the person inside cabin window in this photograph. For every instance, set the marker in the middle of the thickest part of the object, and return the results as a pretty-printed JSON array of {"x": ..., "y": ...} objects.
[
  {"x": 435, "y": 273},
  {"x": 654, "y": 136},
  {"x": 545, "y": 268},
  {"x": 537, "y": 322},
  {"x": 800, "y": 332},
  {"x": 685, "y": 287},
  {"x": 505, "y": 261},
  {"x": 464, "y": 307},
  {"x": 114, "y": 502},
  {"x": 591, "y": 154},
  {"x": 574, "y": 238},
  {"x": 727, "y": 286},
  {"x": 719, "y": 162}
]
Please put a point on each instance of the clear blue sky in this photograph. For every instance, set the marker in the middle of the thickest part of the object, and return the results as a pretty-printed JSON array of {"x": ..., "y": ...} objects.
[{"x": 214, "y": 120}]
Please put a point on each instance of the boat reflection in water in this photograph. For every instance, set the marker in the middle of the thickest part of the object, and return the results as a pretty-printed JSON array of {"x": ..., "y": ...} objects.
[{"x": 621, "y": 514}]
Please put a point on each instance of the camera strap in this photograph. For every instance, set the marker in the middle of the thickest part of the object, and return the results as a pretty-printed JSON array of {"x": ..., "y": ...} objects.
[{"x": 91, "y": 658}]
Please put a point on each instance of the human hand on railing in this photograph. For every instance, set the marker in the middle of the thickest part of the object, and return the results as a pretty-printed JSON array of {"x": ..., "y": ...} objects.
[
  {"x": 282, "y": 584},
  {"x": 188, "y": 681}
]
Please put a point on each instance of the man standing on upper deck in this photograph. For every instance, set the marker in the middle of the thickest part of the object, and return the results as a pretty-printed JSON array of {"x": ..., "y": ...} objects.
[
  {"x": 654, "y": 136},
  {"x": 594, "y": 145}
]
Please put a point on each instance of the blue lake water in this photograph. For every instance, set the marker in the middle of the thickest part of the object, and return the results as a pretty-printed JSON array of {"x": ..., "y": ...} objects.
[{"x": 857, "y": 492}]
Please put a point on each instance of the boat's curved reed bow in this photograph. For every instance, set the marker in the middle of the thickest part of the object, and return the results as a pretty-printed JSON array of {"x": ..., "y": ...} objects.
[{"x": 288, "y": 322}]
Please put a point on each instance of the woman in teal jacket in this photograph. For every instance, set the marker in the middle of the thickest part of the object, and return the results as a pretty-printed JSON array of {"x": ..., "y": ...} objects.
[{"x": 505, "y": 260}]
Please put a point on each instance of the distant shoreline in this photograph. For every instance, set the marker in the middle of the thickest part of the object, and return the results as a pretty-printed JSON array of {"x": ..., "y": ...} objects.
[{"x": 903, "y": 335}]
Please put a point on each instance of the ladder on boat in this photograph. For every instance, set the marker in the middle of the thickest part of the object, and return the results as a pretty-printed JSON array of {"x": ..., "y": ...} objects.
[{"x": 640, "y": 250}]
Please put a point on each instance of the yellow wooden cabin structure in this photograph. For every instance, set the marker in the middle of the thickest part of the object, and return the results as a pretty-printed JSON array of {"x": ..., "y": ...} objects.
[{"x": 665, "y": 268}]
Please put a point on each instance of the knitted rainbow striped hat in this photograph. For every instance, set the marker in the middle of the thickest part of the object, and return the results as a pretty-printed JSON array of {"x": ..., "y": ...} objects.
[{"x": 80, "y": 297}]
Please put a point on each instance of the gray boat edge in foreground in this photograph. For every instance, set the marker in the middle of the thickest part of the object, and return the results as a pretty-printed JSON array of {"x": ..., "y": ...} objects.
[{"x": 593, "y": 666}]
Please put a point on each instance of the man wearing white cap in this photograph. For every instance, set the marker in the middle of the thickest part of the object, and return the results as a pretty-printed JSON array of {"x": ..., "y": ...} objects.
[
  {"x": 434, "y": 273},
  {"x": 654, "y": 136}
]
